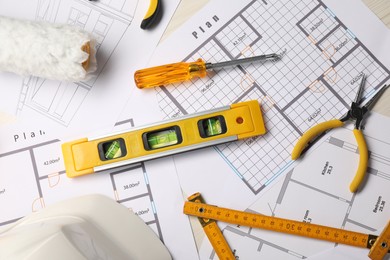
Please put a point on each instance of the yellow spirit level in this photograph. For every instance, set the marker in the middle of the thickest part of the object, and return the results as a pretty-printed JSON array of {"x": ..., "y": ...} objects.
[{"x": 230, "y": 123}]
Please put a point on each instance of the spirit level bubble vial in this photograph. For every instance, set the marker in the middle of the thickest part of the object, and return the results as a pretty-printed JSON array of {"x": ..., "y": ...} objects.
[{"x": 216, "y": 126}]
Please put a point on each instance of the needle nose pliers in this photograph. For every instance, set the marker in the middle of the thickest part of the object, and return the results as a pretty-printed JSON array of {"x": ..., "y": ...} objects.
[{"x": 356, "y": 113}]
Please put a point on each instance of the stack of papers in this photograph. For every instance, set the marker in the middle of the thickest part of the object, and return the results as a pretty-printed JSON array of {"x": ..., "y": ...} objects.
[{"x": 324, "y": 49}]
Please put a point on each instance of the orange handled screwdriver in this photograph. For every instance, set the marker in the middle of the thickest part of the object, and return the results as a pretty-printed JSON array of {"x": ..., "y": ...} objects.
[{"x": 182, "y": 71}]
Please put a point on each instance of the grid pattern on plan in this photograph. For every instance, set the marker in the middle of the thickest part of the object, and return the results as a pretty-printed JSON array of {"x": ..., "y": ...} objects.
[
  {"x": 257, "y": 159},
  {"x": 355, "y": 63},
  {"x": 315, "y": 80}
]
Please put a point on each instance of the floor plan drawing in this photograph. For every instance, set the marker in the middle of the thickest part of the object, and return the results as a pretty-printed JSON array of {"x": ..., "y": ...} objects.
[
  {"x": 41, "y": 181},
  {"x": 316, "y": 191},
  {"x": 44, "y": 178},
  {"x": 33, "y": 177},
  {"x": 321, "y": 65},
  {"x": 107, "y": 21}
]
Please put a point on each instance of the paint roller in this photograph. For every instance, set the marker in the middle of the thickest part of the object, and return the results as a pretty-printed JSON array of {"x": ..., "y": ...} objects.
[{"x": 52, "y": 51}]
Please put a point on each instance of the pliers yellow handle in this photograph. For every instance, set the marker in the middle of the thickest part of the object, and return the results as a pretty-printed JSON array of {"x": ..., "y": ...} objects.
[
  {"x": 313, "y": 132},
  {"x": 153, "y": 15},
  {"x": 310, "y": 134},
  {"x": 363, "y": 162}
]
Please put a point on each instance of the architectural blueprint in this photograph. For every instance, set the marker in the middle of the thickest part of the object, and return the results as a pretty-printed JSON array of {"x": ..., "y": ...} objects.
[
  {"x": 33, "y": 177},
  {"x": 316, "y": 190},
  {"x": 323, "y": 58},
  {"x": 107, "y": 21},
  {"x": 122, "y": 47},
  {"x": 316, "y": 79},
  {"x": 42, "y": 114},
  {"x": 322, "y": 63}
]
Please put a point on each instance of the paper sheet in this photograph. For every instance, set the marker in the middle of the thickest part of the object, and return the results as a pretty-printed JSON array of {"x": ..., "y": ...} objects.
[
  {"x": 342, "y": 252},
  {"x": 316, "y": 190},
  {"x": 294, "y": 97},
  {"x": 81, "y": 107},
  {"x": 38, "y": 115},
  {"x": 316, "y": 80},
  {"x": 33, "y": 177},
  {"x": 326, "y": 46}
]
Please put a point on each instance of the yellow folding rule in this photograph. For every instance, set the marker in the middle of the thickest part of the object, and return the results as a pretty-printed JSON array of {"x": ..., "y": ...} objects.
[{"x": 378, "y": 245}]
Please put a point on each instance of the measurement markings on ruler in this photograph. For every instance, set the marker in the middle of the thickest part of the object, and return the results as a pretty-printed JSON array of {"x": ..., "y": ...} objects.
[{"x": 379, "y": 245}]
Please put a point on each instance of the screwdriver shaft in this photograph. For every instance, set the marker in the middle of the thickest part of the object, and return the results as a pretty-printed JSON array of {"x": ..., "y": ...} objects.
[{"x": 230, "y": 63}]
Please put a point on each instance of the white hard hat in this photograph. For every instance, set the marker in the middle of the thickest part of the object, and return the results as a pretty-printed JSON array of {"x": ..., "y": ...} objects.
[{"x": 88, "y": 227}]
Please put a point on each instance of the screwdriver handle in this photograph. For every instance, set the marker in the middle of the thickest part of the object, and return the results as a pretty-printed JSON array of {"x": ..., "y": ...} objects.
[{"x": 170, "y": 73}]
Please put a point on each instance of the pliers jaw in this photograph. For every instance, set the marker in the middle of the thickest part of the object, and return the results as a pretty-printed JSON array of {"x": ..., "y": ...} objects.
[{"x": 356, "y": 113}]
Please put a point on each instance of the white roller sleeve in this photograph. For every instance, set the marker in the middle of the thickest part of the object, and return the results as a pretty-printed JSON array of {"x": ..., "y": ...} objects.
[{"x": 53, "y": 51}]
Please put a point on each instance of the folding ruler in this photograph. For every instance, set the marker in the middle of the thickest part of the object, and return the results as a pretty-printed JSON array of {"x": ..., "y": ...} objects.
[{"x": 379, "y": 246}]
